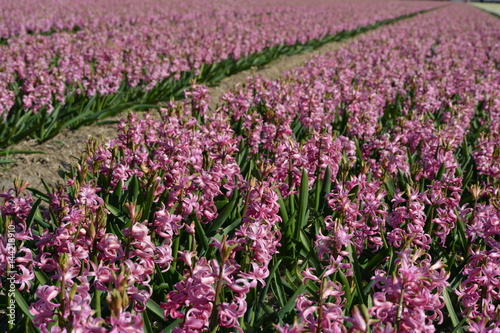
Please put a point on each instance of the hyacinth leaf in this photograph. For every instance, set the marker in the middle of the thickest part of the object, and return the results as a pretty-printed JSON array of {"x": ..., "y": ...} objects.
[
  {"x": 134, "y": 189},
  {"x": 440, "y": 173},
  {"x": 146, "y": 323},
  {"x": 451, "y": 311},
  {"x": 243, "y": 162},
  {"x": 48, "y": 125},
  {"x": 283, "y": 211},
  {"x": 118, "y": 214},
  {"x": 264, "y": 293},
  {"x": 291, "y": 209},
  {"x": 468, "y": 176},
  {"x": 21, "y": 303},
  {"x": 201, "y": 236},
  {"x": 112, "y": 111},
  {"x": 389, "y": 185},
  {"x": 23, "y": 128},
  {"x": 68, "y": 123},
  {"x": 305, "y": 241},
  {"x": 41, "y": 277},
  {"x": 289, "y": 234},
  {"x": 115, "y": 229},
  {"x": 220, "y": 204},
  {"x": 347, "y": 290},
  {"x": 303, "y": 208},
  {"x": 224, "y": 214},
  {"x": 358, "y": 278},
  {"x": 290, "y": 304},
  {"x": 45, "y": 186},
  {"x": 154, "y": 308},
  {"x": 42, "y": 225},
  {"x": 392, "y": 267},
  {"x": 459, "y": 327},
  {"x": 117, "y": 193},
  {"x": 171, "y": 327},
  {"x": 327, "y": 183},
  {"x": 317, "y": 187},
  {"x": 278, "y": 289},
  {"x": 146, "y": 207},
  {"x": 353, "y": 193},
  {"x": 53, "y": 220},
  {"x": 19, "y": 151},
  {"x": 462, "y": 237},
  {"x": 231, "y": 227},
  {"x": 267, "y": 309},
  {"x": 34, "y": 211},
  {"x": 375, "y": 261}
]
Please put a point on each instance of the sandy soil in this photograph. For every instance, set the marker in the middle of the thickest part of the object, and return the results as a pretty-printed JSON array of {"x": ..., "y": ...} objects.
[
  {"x": 490, "y": 7},
  {"x": 64, "y": 149}
]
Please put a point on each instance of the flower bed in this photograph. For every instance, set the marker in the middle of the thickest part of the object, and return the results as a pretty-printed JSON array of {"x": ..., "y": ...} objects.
[
  {"x": 119, "y": 59},
  {"x": 357, "y": 194}
]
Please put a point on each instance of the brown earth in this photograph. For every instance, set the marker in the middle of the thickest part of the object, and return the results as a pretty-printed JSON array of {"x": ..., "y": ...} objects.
[{"x": 65, "y": 148}]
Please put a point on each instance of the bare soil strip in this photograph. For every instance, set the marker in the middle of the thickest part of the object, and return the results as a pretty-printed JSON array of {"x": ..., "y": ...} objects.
[{"x": 489, "y": 7}]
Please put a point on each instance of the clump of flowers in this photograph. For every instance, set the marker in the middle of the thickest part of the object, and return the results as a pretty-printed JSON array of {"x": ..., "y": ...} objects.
[{"x": 410, "y": 299}]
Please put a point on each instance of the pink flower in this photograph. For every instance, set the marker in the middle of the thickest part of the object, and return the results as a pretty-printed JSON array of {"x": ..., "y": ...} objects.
[{"x": 126, "y": 323}]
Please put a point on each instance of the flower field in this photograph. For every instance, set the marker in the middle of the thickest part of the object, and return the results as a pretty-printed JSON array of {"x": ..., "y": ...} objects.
[
  {"x": 358, "y": 193},
  {"x": 67, "y": 67}
]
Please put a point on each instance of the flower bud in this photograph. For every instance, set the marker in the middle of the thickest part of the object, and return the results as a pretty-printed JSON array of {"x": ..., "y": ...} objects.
[
  {"x": 115, "y": 302},
  {"x": 476, "y": 191},
  {"x": 63, "y": 261}
]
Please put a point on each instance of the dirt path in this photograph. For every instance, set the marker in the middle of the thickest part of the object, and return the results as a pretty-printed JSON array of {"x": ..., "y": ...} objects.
[
  {"x": 489, "y": 7},
  {"x": 63, "y": 150}
]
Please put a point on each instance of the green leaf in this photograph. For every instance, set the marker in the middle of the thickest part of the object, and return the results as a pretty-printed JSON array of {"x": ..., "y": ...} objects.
[
  {"x": 223, "y": 215},
  {"x": 201, "y": 235},
  {"x": 357, "y": 273},
  {"x": 283, "y": 211},
  {"x": 458, "y": 328},
  {"x": 134, "y": 188},
  {"x": 347, "y": 290},
  {"x": 154, "y": 308},
  {"x": 279, "y": 292},
  {"x": 33, "y": 211},
  {"x": 290, "y": 305},
  {"x": 451, "y": 311},
  {"x": 389, "y": 185},
  {"x": 146, "y": 323},
  {"x": 173, "y": 325},
  {"x": 231, "y": 227},
  {"x": 303, "y": 203},
  {"x": 39, "y": 194},
  {"x": 18, "y": 151},
  {"x": 375, "y": 261},
  {"x": 47, "y": 189},
  {"x": 353, "y": 193},
  {"x": 21, "y": 303},
  {"x": 41, "y": 277},
  {"x": 272, "y": 272},
  {"x": 116, "y": 213},
  {"x": 441, "y": 171},
  {"x": 148, "y": 204},
  {"x": 305, "y": 241}
]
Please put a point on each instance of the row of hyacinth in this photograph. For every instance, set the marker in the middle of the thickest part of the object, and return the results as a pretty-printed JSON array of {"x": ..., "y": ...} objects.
[
  {"x": 52, "y": 16},
  {"x": 147, "y": 45},
  {"x": 361, "y": 187}
]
